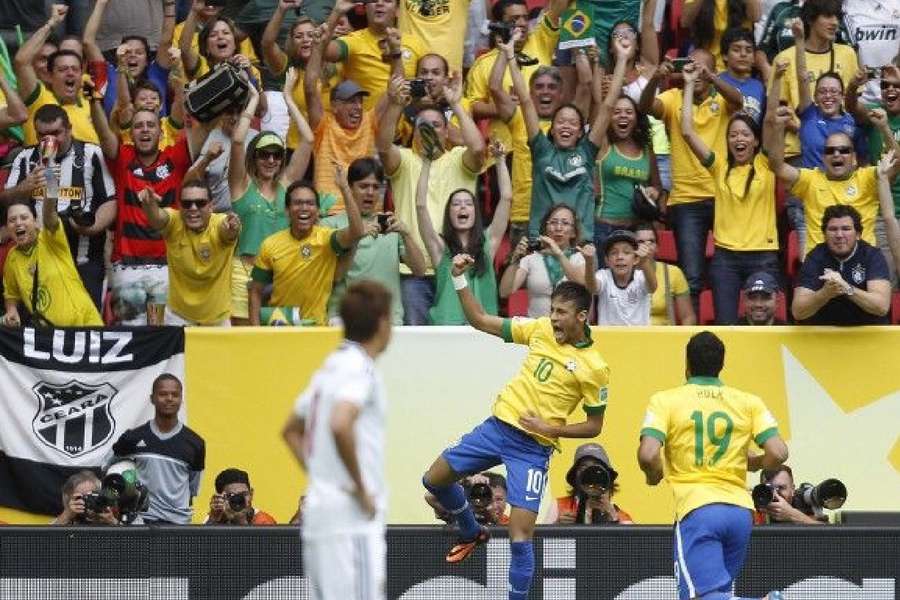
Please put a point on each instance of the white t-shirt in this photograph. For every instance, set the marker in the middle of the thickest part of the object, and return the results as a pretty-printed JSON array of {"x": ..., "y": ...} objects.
[
  {"x": 538, "y": 282},
  {"x": 348, "y": 375},
  {"x": 874, "y": 27},
  {"x": 622, "y": 306},
  {"x": 217, "y": 171}
]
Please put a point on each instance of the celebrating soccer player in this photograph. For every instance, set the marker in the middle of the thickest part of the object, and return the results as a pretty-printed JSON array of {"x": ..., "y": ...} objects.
[
  {"x": 563, "y": 368},
  {"x": 707, "y": 428}
]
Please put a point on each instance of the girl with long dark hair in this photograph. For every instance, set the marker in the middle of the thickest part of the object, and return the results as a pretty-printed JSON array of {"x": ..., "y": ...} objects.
[
  {"x": 744, "y": 229},
  {"x": 463, "y": 232}
]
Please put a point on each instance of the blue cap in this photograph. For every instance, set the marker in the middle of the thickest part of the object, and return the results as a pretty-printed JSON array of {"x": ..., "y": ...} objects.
[{"x": 761, "y": 282}]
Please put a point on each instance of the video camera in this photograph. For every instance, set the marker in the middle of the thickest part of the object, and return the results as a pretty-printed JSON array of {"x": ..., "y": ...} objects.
[{"x": 809, "y": 499}]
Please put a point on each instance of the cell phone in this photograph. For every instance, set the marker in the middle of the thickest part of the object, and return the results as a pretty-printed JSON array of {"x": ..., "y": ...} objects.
[
  {"x": 679, "y": 63},
  {"x": 418, "y": 88},
  {"x": 874, "y": 72},
  {"x": 382, "y": 221}
]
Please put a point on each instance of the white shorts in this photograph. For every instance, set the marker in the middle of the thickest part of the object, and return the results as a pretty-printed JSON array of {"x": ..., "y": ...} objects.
[{"x": 346, "y": 566}]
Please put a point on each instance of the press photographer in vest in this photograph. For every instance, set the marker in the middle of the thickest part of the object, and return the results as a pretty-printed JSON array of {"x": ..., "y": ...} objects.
[{"x": 76, "y": 174}]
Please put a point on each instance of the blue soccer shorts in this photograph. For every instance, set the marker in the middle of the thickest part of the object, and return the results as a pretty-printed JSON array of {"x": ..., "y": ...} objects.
[
  {"x": 710, "y": 547},
  {"x": 494, "y": 442}
]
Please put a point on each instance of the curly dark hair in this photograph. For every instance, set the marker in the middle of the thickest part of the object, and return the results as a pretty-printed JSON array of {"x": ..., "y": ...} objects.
[{"x": 641, "y": 132}]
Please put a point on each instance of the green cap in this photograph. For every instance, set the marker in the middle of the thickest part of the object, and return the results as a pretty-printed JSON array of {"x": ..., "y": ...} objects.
[{"x": 269, "y": 139}]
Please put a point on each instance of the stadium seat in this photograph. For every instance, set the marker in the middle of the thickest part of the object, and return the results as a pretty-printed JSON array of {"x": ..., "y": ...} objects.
[
  {"x": 895, "y": 308},
  {"x": 710, "y": 245},
  {"x": 792, "y": 258},
  {"x": 502, "y": 252},
  {"x": 707, "y": 314},
  {"x": 666, "y": 250},
  {"x": 780, "y": 307},
  {"x": 517, "y": 304}
]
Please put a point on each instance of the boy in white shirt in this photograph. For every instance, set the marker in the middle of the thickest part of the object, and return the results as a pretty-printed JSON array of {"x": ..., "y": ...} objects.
[{"x": 624, "y": 289}]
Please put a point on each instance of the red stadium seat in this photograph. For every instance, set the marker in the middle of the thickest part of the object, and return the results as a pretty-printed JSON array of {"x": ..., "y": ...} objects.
[
  {"x": 502, "y": 252},
  {"x": 707, "y": 314},
  {"x": 792, "y": 257},
  {"x": 666, "y": 250},
  {"x": 895, "y": 308},
  {"x": 518, "y": 304},
  {"x": 780, "y": 307},
  {"x": 710, "y": 245}
]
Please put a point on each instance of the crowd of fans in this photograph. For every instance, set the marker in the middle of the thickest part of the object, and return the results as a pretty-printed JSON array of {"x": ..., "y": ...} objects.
[{"x": 745, "y": 173}]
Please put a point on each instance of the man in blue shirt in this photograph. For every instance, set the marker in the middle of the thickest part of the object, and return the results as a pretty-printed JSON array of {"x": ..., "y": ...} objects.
[
  {"x": 844, "y": 281},
  {"x": 738, "y": 50}
]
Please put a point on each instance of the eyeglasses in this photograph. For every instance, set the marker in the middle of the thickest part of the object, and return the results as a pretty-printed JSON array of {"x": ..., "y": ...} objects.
[
  {"x": 559, "y": 223},
  {"x": 624, "y": 33},
  {"x": 829, "y": 92},
  {"x": 887, "y": 85},
  {"x": 837, "y": 150},
  {"x": 194, "y": 203},
  {"x": 269, "y": 154}
]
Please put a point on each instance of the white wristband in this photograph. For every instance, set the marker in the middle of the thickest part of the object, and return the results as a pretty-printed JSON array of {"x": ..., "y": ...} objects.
[{"x": 460, "y": 282}]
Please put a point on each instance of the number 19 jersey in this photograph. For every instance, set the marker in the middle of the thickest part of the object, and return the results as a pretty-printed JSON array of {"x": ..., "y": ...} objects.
[
  {"x": 706, "y": 429},
  {"x": 554, "y": 377}
]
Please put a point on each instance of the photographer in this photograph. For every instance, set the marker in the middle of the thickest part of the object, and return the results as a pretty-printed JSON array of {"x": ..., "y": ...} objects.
[
  {"x": 74, "y": 490},
  {"x": 785, "y": 506},
  {"x": 485, "y": 493},
  {"x": 232, "y": 504},
  {"x": 593, "y": 482}
]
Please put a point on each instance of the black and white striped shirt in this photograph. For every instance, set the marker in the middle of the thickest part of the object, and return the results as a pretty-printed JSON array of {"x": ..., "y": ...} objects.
[{"x": 98, "y": 188}]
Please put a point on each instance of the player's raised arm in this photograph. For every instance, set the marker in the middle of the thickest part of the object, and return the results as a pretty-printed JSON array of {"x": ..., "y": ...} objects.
[
  {"x": 650, "y": 460},
  {"x": 475, "y": 314}
]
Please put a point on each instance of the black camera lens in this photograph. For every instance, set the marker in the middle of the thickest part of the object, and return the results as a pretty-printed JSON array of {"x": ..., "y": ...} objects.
[
  {"x": 480, "y": 495},
  {"x": 763, "y": 495},
  {"x": 593, "y": 480},
  {"x": 382, "y": 222},
  {"x": 237, "y": 502}
]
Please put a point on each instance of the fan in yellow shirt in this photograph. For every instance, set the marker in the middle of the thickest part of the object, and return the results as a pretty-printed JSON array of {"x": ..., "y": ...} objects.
[
  {"x": 746, "y": 237},
  {"x": 216, "y": 43},
  {"x": 699, "y": 435},
  {"x": 369, "y": 54},
  {"x": 840, "y": 182},
  {"x": 199, "y": 248},
  {"x": 204, "y": 17},
  {"x": 563, "y": 369},
  {"x": 301, "y": 262},
  {"x": 671, "y": 302},
  {"x": 41, "y": 258}
]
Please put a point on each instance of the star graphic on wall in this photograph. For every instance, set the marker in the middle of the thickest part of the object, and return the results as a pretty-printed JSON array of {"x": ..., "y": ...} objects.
[{"x": 853, "y": 446}]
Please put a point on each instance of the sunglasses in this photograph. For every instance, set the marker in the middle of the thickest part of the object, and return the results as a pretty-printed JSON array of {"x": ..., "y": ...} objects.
[
  {"x": 837, "y": 150},
  {"x": 194, "y": 203},
  {"x": 268, "y": 154},
  {"x": 887, "y": 85}
]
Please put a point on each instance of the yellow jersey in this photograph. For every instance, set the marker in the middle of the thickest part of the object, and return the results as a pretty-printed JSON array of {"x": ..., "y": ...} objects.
[
  {"x": 691, "y": 181},
  {"x": 302, "y": 271},
  {"x": 744, "y": 220},
  {"x": 541, "y": 44},
  {"x": 553, "y": 379},
  {"x": 361, "y": 53},
  {"x": 443, "y": 30},
  {"x": 840, "y": 59},
  {"x": 61, "y": 296},
  {"x": 79, "y": 116},
  {"x": 678, "y": 286},
  {"x": 199, "y": 269},
  {"x": 706, "y": 429},
  {"x": 817, "y": 192},
  {"x": 520, "y": 208}
]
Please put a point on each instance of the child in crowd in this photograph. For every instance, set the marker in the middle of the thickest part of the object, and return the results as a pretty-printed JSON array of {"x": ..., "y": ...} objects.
[
  {"x": 625, "y": 288},
  {"x": 738, "y": 50}
]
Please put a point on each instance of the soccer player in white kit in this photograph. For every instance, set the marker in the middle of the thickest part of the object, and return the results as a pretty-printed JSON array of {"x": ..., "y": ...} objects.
[{"x": 337, "y": 433}]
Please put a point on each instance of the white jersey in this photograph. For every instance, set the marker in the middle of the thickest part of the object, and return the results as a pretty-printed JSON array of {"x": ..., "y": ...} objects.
[
  {"x": 348, "y": 375},
  {"x": 874, "y": 28},
  {"x": 622, "y": 306}
]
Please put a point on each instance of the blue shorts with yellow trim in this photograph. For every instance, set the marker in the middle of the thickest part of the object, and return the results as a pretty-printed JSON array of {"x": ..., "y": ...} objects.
[
  {"x": 495, "y": 442},
  {"x": 710, "y": 547}
]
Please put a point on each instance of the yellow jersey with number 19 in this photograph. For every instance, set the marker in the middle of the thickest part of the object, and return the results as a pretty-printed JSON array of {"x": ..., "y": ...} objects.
[
  {"x": 554, "y": 377},
  {"x": 706, "y": 428}
]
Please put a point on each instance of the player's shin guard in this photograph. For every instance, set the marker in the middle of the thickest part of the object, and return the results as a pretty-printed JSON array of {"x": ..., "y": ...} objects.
[
  {"x": 453, "y": 498},
  {"x": 521, "y": 568}
]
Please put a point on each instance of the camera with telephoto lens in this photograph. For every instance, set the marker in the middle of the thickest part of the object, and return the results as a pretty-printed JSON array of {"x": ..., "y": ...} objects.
[
  {"x": 502, "y": 30},
  {"x": 593, "y": 481},
  {"x": 480, "y": 497},
  {"x": 100, "y": 501},
  {"x": 237, "y": 502},
  {"x": 808, "y": 498}
]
